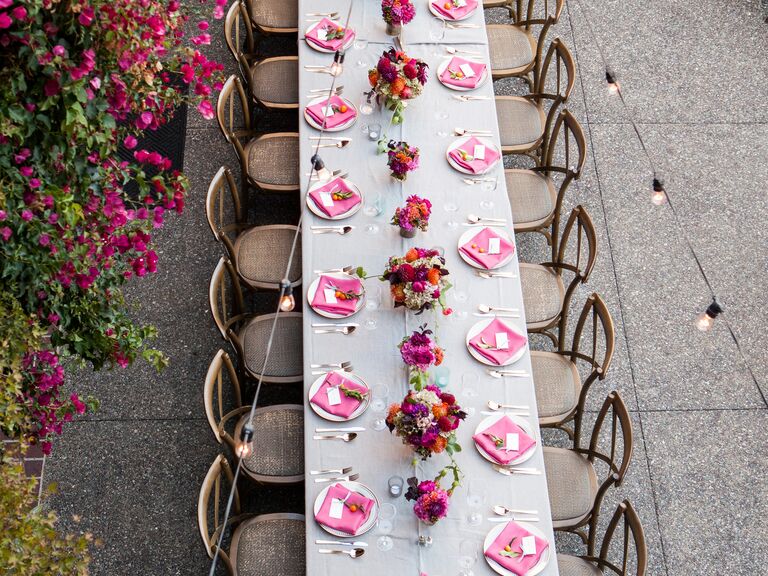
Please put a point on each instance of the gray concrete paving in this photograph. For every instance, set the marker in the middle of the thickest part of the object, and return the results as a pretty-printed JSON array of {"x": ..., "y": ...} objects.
[{"x": 694, "y": 77}]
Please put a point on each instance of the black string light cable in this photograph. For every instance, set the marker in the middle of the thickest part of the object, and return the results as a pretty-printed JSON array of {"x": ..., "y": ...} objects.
[
  {"x": 286, "y": 303},
  {"x": 659, "y": 196}
]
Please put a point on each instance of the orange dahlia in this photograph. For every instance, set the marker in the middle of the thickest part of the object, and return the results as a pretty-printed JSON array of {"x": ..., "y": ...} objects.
[{"x": 433, "y": 276}]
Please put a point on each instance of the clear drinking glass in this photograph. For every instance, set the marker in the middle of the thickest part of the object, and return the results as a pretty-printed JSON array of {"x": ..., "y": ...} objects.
[
  {"x": 360, "y": 45},
  {"x": 373, "y": 296},
  {"x": 379, "y": 399},
  {"x": 475, "y": 499},
  {"x": 386, "y": 523},
  {"x": 436, "y": 34},
  {"x": 468, "y": 552},
  {"x": 488, "y": 186},
  {"x": 365, "y": 107}
]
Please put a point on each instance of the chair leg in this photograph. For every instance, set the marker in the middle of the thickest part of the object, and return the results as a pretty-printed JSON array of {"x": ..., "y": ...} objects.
[{"x": 551, "y": 336}]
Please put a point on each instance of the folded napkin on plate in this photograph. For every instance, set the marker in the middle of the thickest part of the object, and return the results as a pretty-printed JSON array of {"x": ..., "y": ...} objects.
[
  {"x": 336, "y": 207},
  {"x": 474, "y": 165},
  {"x": 317, "y": 37},
  {"x": 512, "y": 536},
  {"x": 349, "y": 522},
  {"x": 325, "y": 302},
  {"x": 487, "y": 440},
  {"x": 337, "y": 117},
  {"x": 454, "y": 12},
  {"x": 481, "y": 241},
  {"x": 464, "y": 82},
  {"x": 485, "y": 342},
  {"x": 348, "y": 404}
]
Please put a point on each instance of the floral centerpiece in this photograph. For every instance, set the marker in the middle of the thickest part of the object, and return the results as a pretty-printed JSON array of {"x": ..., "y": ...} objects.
[
  {"x": 413, "y": 216},
  {"x": 430, "y": 499},
  {"x": 419, "y": 352},
  {"x": 426, "y": 420},
  {"x": 396, "y": 79},
  {"x": 418, "y": 280},
  {"x": 401, "y": 159},
  {"x": 396, "y": 13}
]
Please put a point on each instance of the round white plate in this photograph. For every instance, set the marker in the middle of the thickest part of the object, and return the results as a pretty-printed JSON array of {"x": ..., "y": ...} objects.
[
  {"x": 314, "y": 46},
  {"x": 313, "y": 288},
  {"x": 471, "y": 233},
  {"x": 338, "y": 128},
  {"x": 435, "y": 12},
  {"x": 498, "y": 568},
  {"x": 487, "y": 142},
  {"x": 315, "y": 209},
  {"x": 479, "y": 327},
  {"x": 444, "y": 65},
  {"x": 332, "y": 417},
  {"x": 490, "y": 421},
  {"x": 355, "y": 487}
]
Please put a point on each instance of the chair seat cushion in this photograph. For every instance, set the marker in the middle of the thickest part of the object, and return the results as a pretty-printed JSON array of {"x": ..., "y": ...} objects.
[
  {"x": 571, "y": 484},
  {"x": 275, "y": 13},
  {"x": 521, "y": 122},
  {"x": 532, "y": 196},
  {"x": 510, "y": 47},
  {"x": 276, "y": 81},
  {"x": 575, "y": 566},
  {"x": 279, "y": 436},
  {"x": 262, "y": 255},
  {"x": 274, "y": 160},
  {"x": 272, "y": 544},
  {"x": 543, "y": 294},
  {"x": 285, "y": 359},
  {"x": 557, "y": 384}
]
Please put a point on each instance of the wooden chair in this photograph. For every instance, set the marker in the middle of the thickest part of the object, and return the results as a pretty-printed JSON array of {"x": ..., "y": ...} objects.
[
  {"x": 267, "y": 162},
  {"x": 271, "y": 544},
  {"x": 249, "y": 334},
  {"x": 523, "y": 121},
  {"x": 514, "y": 51},
  {"x": 259, "y": 253},
  {"x": 273, "y": 17},
  {"x": 533, "y": 194},
  {"x": 273, "y": 83},
  {"x": 560, "y": 393},
  {"x": 545, "y": 297},
  {"x": 238, "y": 31},
  {"x": 633, "y": 541},
  {"x": 575, "y": 491},
  {"x": 278, "y": 429}
]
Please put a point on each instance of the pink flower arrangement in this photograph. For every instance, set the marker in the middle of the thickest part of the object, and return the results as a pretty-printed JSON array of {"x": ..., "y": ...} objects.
[
  {"x": 398, "y": 12},
  {"x": 431, "y": 501},
  {"x": 419, "y": 352},
  {"x": 396, "y": 79},
  {"x": 401, "y": 159},
  {"x": 414, "y": 215},
  {"x": 418, "y": 280}
]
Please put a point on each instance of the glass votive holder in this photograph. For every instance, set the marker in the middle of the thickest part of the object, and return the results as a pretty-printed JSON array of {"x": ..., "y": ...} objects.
[
  {"x": 374, "y": 132},
  {"x": 395, "y": 486}
]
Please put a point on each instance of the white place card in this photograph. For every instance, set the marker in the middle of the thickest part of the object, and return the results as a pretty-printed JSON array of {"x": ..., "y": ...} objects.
[
  {"x": 326, "y": 199},
  {"x": 512, "y": 442},
  {"x": 502, "y": 341},
  {"x": 467, "y": 69},
  {"x": 479, "y": 153},
  {"x": 328, "y": 110},
  {"x": 334, "y": 396},
  {"x": 330, "y": 296},
  {"x": 322, "y": 33},
  {"x": 494, "y": 245},
  {"x": 337, "y": 509},
  {"x": 460, "y": 3},
  {"x": 528, "y": 545}
]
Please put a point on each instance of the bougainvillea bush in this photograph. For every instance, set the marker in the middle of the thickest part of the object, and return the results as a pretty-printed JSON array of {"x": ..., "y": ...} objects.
[{"x": 79, "y": 79}]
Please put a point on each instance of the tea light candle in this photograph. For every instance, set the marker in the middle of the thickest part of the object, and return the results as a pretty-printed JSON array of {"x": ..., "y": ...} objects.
[{"x": 374, "y": 131}]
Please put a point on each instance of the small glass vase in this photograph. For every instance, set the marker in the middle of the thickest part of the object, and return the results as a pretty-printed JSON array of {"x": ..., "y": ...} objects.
[
  {"x": 408, "y": 233},
  {"x": 394, "y": 29}
]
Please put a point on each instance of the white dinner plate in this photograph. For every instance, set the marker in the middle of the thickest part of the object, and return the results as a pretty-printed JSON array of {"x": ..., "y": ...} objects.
[
  {"x": 471, "y": 233},
  {"x": 487, "y": 142},
  {"x": 341, "y": 275},
  {"x": 435, "y": 12},
  {"x": 332, "y": 417},
  {"x": 314, "y": 46},
  {"x": 479, "y": 327},
  {"x": 315, "y": 209},
  {"x": 355, "y": 487},
  {"x": 490, "y": 421},
  {"x": 498, "y": 568},
  {"x": 444, "y": 65},
  {"x": 338, "y": 128}
]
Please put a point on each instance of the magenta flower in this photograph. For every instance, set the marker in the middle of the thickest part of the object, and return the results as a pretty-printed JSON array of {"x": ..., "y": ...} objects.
[
  {"x": 5, "y": 20},
  {"x": 27, "y": 215},
  {"x": 6, "y": 233},
  {"x": 86, "y": 16},
  {"x": 20, "y": 13}
]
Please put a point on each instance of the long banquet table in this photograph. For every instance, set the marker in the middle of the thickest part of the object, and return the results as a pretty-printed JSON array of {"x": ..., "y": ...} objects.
[{"x": 378, "y": 455}]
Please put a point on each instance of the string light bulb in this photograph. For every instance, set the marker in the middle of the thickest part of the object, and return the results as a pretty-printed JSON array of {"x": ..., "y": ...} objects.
[
  {"x": 245, "y": 447},
  {"x": 706, "y": 319},
  {"x": 318, "y": 166},
  {"x": 338, "y": 64},
  {"x": 287, "y": 301},
  {"x": 659, "y": 195},
  {"x": 613, "y": 84}
]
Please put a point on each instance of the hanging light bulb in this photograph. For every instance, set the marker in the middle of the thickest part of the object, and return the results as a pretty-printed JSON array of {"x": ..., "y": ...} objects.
[
  {"x": 338, "y": 64},
  {"x": 318, "y": 166},
  {"x": 287, "y": 301},
  {"x": 613, "y": 84},
  {"x": 706, "y": 319},
  {"x": 659, "y": 195},
  {"x": 245, "y": 447}
]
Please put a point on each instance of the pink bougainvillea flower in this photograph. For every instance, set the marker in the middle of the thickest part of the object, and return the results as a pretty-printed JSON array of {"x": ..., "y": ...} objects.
[
  {"x": 3, "y": 215},
  {"x": 130, "y": 142},
  {"x": 5, "y": 233},
  {"x": 59, "y": 50},
  {"x": 96, "y": 82},
  {"x": 20, "y": 13},
  {"x": 5, "y": 20},
  {"x": 52, "y": 87},
  {"x": 44, "y": 240},
  {"x": 206, "y": 109},
  {"x": 34, "y": 183},
  {"x": 86, "y": 16},
  {"x": 26, "y": 171},
  {"x": 5, "y": 3},
  {"x": 201, "y": 39},
  {"x": 27, "y": 215},
  {"x": 203, "y": 25},
  {"x": 22, "y": 155}
]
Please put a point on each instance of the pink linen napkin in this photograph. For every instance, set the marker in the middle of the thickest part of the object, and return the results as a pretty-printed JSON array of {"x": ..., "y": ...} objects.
[
  {"x": 339, "y": 206},
  {"x": 316, "y": 111},
  {"x": 480, "y": 241},
  {"x": 454, "y": 66},
  {"x": 499, "y": 430},
  {"x": 348, "y": 405},
  {"x": 329, "y": 44},
  {"x": 488, "y": 336},
  {"x": 454, "y": 13},
  {"x": 349, "y": 522},
  {"x": 474, "y": 166},
  {"x": 521, "y": 564},
  {"x": 345, "y": 307}
]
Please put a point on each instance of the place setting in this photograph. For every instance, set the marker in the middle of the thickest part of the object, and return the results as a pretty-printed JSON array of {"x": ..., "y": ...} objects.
[
  {"x": 489, "y": 248},
  {"x": 336, "y": 295},
  {"x": 461, "y": 74},
  {"x": 473, "y": 152},
  {"x": 494, "y": 343},
  {"x": 516, "y": 548},
  {"x": 332, "y": 114},
  {"x": 328, "y": 36},
  {"x": 453, "y": 9},
  {"x": 336, "y": 199},
  {"x": 346, "y": 509},
  {"x": 339, "y": 396}
]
